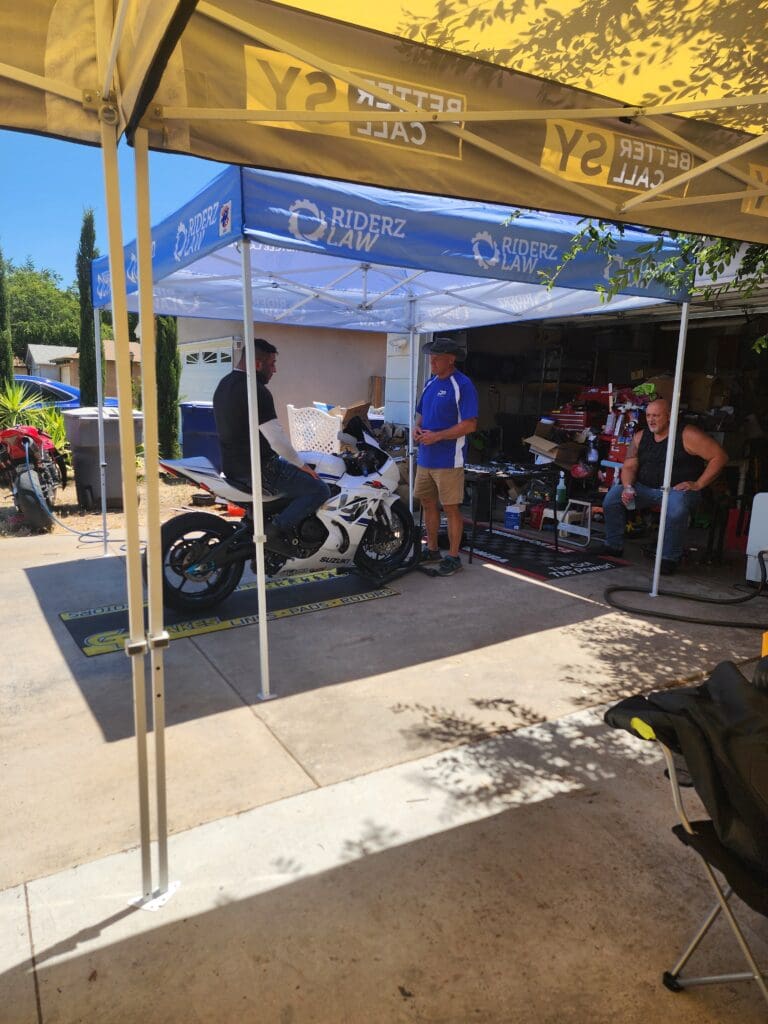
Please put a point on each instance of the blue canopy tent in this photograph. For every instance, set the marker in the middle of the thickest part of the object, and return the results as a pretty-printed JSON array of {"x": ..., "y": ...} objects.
[
  {"x": 368, "y": 255},
  {"x": 271, "y": 247}
]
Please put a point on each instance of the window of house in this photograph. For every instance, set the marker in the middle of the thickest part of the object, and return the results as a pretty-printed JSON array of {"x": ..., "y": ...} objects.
[
  {"x": 210, "y": 357},
  {"x": 191, "y": 358},
  {"x": 225, "y": 357}
]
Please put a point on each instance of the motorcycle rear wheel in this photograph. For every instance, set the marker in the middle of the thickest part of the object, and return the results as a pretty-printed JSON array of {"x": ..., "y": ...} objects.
[
  {"x": 383, "y": 548},
  {"x": 184, "y": 541}
]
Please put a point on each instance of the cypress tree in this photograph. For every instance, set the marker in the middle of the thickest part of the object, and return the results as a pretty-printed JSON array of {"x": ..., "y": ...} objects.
[
  {"x": 86, "y": 344},
  {"x": 168, "y": 376},
  {"x": 6, "y": 347}
]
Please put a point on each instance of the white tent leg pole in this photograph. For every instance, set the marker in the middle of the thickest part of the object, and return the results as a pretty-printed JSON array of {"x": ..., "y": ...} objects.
[
  {"x": 100, "y": 424},
  {"x": 157, "y": 637},
  {"x": 258, "y": 505},
  {"x": 411, "y": 397},
  {"x": 136, "y": 645},
  {"x": 673, "y": 417}
]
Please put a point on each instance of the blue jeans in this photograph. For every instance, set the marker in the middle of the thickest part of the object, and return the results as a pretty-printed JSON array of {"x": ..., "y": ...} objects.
[
  {"x": 306, "y": 493},
  {"x": 679, "y": 508}
]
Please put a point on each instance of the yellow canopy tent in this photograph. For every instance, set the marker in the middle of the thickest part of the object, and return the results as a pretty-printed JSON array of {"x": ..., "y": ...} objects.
[{"x": 649, "y": 112}]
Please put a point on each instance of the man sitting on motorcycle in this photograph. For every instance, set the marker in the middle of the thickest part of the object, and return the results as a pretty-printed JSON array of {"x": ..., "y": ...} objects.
[{"x": 282, "y": 470}]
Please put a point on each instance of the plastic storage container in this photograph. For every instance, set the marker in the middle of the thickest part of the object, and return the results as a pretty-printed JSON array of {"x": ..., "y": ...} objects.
[
  {"x": 82, "y": 426},
  {"x": 198, "y": 432},
  {"x": 514, "y": 516}
]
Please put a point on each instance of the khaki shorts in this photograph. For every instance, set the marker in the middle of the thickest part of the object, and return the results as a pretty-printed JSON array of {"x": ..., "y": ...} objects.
[{"x": 447, "y": 485}]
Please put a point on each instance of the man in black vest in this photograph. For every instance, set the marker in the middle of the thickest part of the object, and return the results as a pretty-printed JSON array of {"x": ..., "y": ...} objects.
[{"x": 698, "y": 460}]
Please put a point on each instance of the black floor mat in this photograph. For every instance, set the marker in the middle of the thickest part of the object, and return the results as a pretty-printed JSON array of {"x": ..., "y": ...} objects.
[
  {"x": 536, "y": 558},
  {"x": 105, "y": 630}
]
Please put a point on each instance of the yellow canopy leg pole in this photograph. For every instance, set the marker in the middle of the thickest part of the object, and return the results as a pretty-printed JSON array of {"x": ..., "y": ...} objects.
[
  {"x": 136, "y": 645},
  {"x": 258, "y": 498},
  {"x": 158, "y": 637}
]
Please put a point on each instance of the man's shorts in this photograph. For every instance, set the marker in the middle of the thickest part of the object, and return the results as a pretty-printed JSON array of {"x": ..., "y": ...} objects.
[{"x": 447, "y": 485}]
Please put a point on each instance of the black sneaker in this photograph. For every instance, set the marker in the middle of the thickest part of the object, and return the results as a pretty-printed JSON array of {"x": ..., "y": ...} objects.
[
  {"x": 429, "y": 556},
  {"x": 449, "y": 565},
  {"x": 278, "y": 540}
]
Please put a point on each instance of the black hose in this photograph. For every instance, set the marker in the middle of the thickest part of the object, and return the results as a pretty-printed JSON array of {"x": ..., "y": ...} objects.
[{"x": 693, "y": 597}]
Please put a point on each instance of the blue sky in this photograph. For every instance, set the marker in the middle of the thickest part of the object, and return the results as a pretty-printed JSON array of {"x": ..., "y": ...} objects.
[{"x": 46, "y": 184}]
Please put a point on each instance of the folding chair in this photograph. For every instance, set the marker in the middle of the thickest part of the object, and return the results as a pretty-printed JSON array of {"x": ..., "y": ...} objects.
[{"x": 721, "y": 730}]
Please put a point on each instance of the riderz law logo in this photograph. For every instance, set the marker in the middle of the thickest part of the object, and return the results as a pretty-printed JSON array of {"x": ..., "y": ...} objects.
[
  {"x": 103, "y": 284},
  {"x": 104, "y": 278},
  {"x": 342, "y": 227},
  {"x": 512, "y": 253},
  {"x": 132, "y": 263},
  {"x": 192, "y": 232}
]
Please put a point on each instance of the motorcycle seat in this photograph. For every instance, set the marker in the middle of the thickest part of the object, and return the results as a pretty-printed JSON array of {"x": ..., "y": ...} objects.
[{"x": 245, "y": 487}]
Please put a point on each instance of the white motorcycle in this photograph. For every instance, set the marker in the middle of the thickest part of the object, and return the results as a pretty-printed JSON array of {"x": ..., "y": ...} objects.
[{"x": 363, "y": 524}]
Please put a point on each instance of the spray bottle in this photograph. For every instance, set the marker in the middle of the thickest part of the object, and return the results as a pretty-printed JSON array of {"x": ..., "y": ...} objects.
[{"x": 561, "y": 493}]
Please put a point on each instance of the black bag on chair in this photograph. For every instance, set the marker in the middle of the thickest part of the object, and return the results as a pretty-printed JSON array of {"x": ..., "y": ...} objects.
[{"x": 721, "y": 730}]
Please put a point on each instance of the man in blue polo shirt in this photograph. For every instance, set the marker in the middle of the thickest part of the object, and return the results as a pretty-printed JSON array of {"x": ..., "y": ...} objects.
[{"x": 445, "y": 413}]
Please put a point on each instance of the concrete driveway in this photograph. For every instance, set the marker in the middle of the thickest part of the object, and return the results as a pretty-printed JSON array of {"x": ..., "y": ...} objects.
[{"x": 429, "y": 823}]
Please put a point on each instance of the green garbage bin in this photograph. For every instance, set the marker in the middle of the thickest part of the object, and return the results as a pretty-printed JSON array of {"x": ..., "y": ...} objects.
[{"x": 83, "y": 435}]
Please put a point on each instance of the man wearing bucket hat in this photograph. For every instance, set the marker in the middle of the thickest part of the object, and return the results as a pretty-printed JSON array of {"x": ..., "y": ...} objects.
[{"x": 445, "y": 413}]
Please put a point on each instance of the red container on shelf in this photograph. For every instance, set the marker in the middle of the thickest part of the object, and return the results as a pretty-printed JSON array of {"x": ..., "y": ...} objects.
[
  {"x": 617, "y": 451},
  {"x": 535, "y": 515}
]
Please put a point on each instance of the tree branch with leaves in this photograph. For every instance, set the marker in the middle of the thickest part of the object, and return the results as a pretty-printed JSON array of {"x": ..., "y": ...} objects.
[{"x": 697, "y": 267}]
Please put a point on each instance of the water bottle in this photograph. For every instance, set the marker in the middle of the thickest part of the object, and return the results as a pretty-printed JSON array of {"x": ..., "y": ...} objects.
[
  {"x": 561, "y": 493},
  {"x": 593, "y": 455},
  {"x": 630, "y": 505}
]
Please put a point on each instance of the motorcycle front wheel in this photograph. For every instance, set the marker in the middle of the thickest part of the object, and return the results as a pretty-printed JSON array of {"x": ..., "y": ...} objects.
[
  {"x": 185, "y": 541},
  {"x": 384, "y": 548},
  {"x": 30, "y": 499}
]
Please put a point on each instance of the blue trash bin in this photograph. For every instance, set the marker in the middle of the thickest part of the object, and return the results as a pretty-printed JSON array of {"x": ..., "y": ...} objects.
[{"x": 198, "y": 432}]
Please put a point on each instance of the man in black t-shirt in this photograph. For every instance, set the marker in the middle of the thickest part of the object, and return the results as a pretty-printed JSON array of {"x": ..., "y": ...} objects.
[{"x": 282, "y": 470}]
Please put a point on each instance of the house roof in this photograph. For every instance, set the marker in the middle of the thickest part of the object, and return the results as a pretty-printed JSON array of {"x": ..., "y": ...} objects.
[
  {"x": 69, "y": 355},
  {"x": 49, "y": 353}
]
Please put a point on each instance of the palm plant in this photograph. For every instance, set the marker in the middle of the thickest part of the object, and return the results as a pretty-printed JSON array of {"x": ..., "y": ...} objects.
[
  {"x": 50, "y": 420},
  {"x": 15, "y": 405}
]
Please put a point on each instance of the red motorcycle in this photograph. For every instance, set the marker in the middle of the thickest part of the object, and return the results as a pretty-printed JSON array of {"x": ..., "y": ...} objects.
[{"x": 33, "y": 468}]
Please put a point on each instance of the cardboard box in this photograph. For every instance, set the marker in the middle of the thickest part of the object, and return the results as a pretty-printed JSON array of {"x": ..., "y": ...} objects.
[
  {"x": 645, "y": 372},
  {"x": 565, "y": 454},
  {"x": 704, "y": 391},
  {"x": 347, "y": 412}
]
